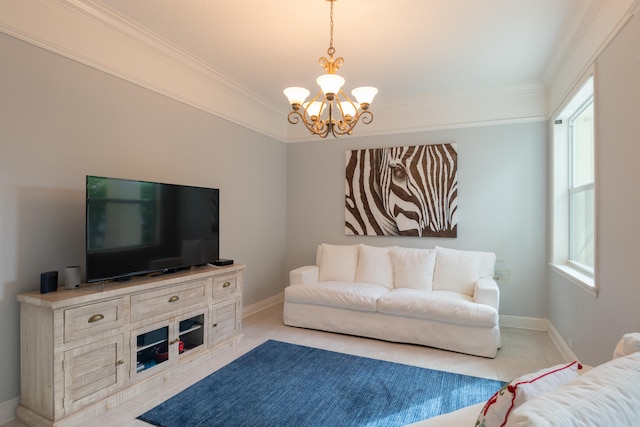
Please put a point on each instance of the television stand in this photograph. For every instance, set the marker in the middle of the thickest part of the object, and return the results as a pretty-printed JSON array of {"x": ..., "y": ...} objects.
[{"x": 85, "y": 350}]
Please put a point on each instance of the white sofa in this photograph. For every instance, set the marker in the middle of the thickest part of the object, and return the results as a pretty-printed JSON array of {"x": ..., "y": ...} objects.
[
  {"x": 607, "y": 395},
  {"x": 443, "y": 298}
]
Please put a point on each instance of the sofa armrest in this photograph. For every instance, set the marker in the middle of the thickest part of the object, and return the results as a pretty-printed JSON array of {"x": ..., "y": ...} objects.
[
  {"x": 305, "y": 274},
  {"x": 487, "y": 292}
]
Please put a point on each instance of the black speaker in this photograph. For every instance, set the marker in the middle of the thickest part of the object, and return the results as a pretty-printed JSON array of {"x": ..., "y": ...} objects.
[{"x": 48, "y": 282}]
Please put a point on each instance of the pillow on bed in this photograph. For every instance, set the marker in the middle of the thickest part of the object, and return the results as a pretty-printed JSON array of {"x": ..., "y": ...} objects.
[
  {"x": 338, "y": 262},
  {"x": 497, "y": 410}
]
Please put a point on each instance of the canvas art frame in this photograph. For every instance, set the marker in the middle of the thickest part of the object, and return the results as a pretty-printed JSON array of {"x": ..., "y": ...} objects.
[{"x": 402, "y": 191}]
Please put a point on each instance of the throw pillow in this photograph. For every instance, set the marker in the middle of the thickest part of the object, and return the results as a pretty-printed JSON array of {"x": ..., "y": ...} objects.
[
  {"x": 375, "y": 266},
  {"x": 497, "y": 409},
  {"x": 413, "y": 268},
  {"x": 607, "y": 395},
  {"x": 338, "y": 263},
  {"x": 457, "y": 270},
  {"x": 629, "y": 343}
]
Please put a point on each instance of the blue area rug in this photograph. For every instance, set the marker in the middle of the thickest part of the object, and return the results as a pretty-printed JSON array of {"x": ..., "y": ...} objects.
[{"x": 280, "y": 384}]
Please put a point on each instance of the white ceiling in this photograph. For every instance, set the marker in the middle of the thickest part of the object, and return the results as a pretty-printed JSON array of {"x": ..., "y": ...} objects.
[
  {"x": 406, "y": 48},
  {"x": 436, "y": 63}
]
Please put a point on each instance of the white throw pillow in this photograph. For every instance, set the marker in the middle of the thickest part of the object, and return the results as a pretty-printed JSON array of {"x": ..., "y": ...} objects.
[
  {"x": 607, "y": 395},
  {"x": 457, "y": 270},
  {"x": 338, "y": 263},
  {"x": 413, "y": 268},
  {"x": 498, "y": 408},
  {"x": 375, "y": 266},
  {"x": 629, "y": 343}
]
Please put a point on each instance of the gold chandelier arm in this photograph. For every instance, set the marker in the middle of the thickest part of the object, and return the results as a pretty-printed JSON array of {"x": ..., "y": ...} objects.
[
  {"x": 294, "y": 117},
  {"x": 367, "y": 117},
  {"x": 343, "y": 127},
  {"x": 316, "y": 127},
  {"x": 342, "y": 94}
]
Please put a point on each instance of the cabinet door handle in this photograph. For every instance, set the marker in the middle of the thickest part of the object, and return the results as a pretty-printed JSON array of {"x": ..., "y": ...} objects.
[
  {"x": 120, "y": 362},
  {"x": 215, "y": 325},
  {"x": 226, "y": 284},
  {"x": 172, "y": 342},
  {"x": 95, "y": 318},
  {"x": 174, "y": 298}
]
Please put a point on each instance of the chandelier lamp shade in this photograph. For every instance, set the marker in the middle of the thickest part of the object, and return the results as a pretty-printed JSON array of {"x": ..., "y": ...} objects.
[{"x": 331, "y": 110}]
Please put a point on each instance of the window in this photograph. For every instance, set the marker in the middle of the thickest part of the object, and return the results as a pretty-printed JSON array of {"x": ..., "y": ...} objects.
[
  {"x": 574, "y": 189},
  {"x": 581, "y": 188}
]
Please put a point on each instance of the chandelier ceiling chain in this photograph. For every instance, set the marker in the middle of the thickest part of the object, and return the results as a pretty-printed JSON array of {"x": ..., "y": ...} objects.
[
  {"x": 331, "y": 50},
  {"x": 318, "y": 114}
]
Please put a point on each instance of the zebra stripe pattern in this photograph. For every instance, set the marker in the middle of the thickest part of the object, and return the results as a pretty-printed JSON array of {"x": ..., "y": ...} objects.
[{"x": 409, "y": 191}]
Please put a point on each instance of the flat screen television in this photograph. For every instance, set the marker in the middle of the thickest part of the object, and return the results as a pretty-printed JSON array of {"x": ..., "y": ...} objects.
[{"x": 138, "y": 227}]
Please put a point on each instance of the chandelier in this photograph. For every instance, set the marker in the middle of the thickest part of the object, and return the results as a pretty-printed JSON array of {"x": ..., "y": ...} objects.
[{"x": 331, "y": 110}]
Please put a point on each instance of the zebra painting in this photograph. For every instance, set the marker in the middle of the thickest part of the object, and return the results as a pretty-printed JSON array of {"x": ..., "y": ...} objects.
[{"x": 402, "y": 191}]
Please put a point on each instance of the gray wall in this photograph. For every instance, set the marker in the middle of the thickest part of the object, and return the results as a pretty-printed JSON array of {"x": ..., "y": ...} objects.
[
  {"x": 60, "y": 121},
  {"x": 596, "y": 324},
  {"x": 501, "y": 202}
]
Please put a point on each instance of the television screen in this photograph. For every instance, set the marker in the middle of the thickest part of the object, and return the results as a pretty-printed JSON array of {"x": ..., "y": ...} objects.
[{"x": 138, "y": 227}]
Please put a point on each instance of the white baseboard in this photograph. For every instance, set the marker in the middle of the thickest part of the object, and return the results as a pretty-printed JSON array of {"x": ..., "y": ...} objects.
[
  {"x": 536, "y": 324},
  {"x": 8, "y": 410},
  {"x": 531, "y": 323},
  {"x": 565, "y": 350},
  {"x": 262, "y": 304}
]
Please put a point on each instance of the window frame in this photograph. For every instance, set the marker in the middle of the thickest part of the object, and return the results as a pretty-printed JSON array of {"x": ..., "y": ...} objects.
[{"x": 561, "y": 186}]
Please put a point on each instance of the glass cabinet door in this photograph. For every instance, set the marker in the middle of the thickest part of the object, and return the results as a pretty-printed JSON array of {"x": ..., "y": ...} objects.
[
  {"x": 191, "y": 333},
  {"x": 152, "y": 348}
]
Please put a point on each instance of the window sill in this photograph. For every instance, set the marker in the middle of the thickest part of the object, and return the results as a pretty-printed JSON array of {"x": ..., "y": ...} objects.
[{"x": 583, "y": 281}]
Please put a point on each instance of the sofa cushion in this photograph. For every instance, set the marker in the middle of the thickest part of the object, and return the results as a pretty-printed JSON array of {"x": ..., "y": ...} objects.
[
  {"x": 457, "y": 270},
  {"x": 350, "y": 295},
  {"x": 496, "y": 411},
  {"x": 449, "y": 307},
  {"x": 375, "y": 266},
  {"x": 413, "y": 267},
  {"x": 607, "y": 395},
  {"x": 338, "y": 262}
]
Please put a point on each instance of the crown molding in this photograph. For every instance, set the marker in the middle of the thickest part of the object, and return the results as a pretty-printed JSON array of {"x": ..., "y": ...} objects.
[{"x": 579, "y": 19}]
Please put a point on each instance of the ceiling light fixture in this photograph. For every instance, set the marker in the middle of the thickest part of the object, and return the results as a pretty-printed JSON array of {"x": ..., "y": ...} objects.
[{"x": 331, "y": 110}]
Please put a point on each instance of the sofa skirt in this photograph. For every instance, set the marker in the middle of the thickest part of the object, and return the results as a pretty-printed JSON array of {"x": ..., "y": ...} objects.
[{"x": 469, "y": 339}]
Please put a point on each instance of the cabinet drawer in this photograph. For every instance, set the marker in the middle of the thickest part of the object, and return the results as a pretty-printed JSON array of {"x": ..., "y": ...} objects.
[
  {"x": 163, "y": 301},
  {"x": 226, "y": 286},
  {"x": 83, "y": 322}
]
